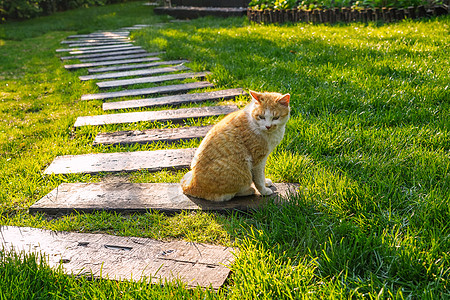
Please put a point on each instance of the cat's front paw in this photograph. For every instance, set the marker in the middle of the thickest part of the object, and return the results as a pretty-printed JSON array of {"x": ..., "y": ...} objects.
[
  {"x": 269, "y": 182},
  {"x": 266, "y": 191}
]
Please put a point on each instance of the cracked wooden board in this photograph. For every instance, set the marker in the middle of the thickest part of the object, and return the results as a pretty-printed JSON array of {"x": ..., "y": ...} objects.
[
  {"x": 109, "y": 34},
  {"x": 107, "y": 54},
  {"x": 151, "y": 161},
  {"x": 136, "y": 66},
  {"x": 123, "y": 258},
  {"x": 142, "y": 72},
  {"x": 175, "y": 88},
  {"x": 119, "y": 57},
  {"x": 166, "y": 135},
  {"x": 98, "y": 40},
  {"x": 174, "y": 99},
  {"x": 126, "y": 197},
  {"x": 151, "y": 79},
  {"x": 97, "y": 44},
  {"x": 172, "y": 115},
  {"x": 118, "y": 46},
  {"x": 94, "y": 51},
  {"x": 110, "y": 63}
]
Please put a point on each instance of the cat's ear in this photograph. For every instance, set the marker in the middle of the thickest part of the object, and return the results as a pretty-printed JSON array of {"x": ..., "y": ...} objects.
[
  {"x": 256, "y": 96},
  {"x": 284, "y": 100}
]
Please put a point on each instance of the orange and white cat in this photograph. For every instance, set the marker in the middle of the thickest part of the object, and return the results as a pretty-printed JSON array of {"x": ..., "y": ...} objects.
[{"x": 234, "y": 152}]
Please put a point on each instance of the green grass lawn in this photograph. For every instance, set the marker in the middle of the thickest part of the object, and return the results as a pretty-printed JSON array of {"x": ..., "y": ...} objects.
[{"x": 368, "y": 142}]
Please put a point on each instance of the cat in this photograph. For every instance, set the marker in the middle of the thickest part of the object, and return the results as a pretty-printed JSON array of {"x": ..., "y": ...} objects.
[{"x": 233, "y": 154}]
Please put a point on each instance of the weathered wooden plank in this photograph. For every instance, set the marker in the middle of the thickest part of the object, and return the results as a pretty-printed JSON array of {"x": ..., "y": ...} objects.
[
  {"x": 174, "y": 99},
  {"x": 118, "y": 46},
  {"x": 175, "y": 88},
  {"x": 134, "y": 73},
  {"x": 96, "y": 40},
  {"x": 116, "y": 49},
  {"x": 123, "y": 258},
  {"x": 126, "y": 197},
  {"x": 71, "y": 45},
  {"x": 167, "y": 135},
  {"x": 97, "y": 37},
  {"x": 110, "y": 63},
  {"x": 136, "y": 66},
  {"x": 173, "y": 115},
  {"x": 100, "y": 34},
  {"x": 141, "y": 26},
  {"x": 104, "y": 54},
  {"x": 119, "y": 57},
  {"x": 133, "y": 28},
  {"x": 152, "y": 161},
  {"x": 145, "y": 25},
  {"x": 150, "y": 79}
]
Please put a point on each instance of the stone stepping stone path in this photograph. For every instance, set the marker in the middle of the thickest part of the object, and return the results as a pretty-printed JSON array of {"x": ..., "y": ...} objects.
[
  {"x": 124, "y": 258},
  {"x": 144, "y": 72},
  {"x": 152, "y": 161},
  {"x": 150, "y": 79},
  {"x": 125, "y": 197},
  {"x": 174, "y": 100},
  {"x": 167, "y": 135},
  {"x": 174, "y": 116},
  {"x": 176, "y": 88}
]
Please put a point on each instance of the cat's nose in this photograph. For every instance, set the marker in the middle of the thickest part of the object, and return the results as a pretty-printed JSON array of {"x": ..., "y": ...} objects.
[{"x": 268, "y": 127}]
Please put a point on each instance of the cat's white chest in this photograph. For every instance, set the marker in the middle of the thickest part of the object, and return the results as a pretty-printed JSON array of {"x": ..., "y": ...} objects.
[{"x": 275, "y": 137}]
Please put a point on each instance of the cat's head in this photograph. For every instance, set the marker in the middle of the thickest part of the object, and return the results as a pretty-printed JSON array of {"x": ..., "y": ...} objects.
[{"x": 269, "y": 110}]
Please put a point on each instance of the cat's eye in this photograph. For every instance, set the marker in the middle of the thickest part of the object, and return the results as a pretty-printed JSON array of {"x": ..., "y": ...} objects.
[
  {"x": 275, "y": 118},
  {"x": 261, "y": 117}
]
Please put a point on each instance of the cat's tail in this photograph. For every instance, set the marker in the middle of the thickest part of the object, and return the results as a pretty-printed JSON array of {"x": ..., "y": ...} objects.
[{"x": 186, "y": 181}]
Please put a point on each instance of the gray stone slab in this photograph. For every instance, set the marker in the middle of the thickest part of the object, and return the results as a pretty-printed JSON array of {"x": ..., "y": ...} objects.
[
  {"x": 150, "y": 79},
  {"x": 152, "y": 161},
  {"x": 136, "y": 66},
  {"x": 125, "y": 197},
  {"x": 166, "y": 135},
  {"x": 143, "y": 72},
  {"x": 119, "y": 57},
  {"x": 175, "y": 88},
  {"x": 123, "y": 258},
  {"x": 107, "y": 54},
  {"x": 175, "y": 99},
  {"x": 94, "y": 51},
  {"x": 110, "y": 63},
  {"x": 109, "y": 34},
  {"x": 115, "y": 46},
  {"x": 173, "y": 115}
]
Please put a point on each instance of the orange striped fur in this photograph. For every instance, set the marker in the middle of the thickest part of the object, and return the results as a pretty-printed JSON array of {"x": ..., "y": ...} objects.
[{"x": 233, "y": 154}]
